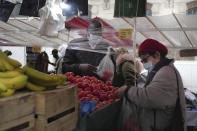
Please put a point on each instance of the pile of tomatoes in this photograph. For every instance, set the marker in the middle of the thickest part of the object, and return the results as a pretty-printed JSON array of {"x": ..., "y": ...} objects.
[{"x": 92, "y": 89}]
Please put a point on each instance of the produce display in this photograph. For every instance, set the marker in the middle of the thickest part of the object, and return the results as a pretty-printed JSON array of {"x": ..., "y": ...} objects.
[
  {"x": 13, "y": 78},
  {"x": 92, "y": 89}
]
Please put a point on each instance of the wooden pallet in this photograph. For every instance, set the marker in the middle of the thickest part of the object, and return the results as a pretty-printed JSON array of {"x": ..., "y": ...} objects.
[
  {"x": 17, "y": 112},
  {"x": 57, "y": 110}
]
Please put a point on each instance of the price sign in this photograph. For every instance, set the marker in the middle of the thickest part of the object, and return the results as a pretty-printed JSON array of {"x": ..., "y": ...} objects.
[
  {"x": 36, "y": 49},
  {"x": 125, "y": 33}
]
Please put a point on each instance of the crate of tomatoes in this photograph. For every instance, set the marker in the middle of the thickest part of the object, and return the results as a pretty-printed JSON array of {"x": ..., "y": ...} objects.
[{"x": 103, "y": 115}]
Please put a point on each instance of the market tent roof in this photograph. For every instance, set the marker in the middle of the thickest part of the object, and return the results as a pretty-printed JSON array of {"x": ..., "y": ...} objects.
[
  {"x": 24, "y": 31},
  {"x": 175, "y": 31},
  {"x": 169, "y": 22}
]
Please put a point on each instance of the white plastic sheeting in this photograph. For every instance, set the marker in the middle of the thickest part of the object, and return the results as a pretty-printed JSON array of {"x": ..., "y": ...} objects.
[
  {"x": 24, "y": 31},
  {"x": 177, "y": 31}
]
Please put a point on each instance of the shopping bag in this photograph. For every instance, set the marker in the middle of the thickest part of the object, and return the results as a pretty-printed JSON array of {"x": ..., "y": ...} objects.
[
  {"x": 129, "y": 119},
  {"x": 106, "y": 67},
  {"x": 87, "y": 107},
  {"x": 52, "y": 20}
]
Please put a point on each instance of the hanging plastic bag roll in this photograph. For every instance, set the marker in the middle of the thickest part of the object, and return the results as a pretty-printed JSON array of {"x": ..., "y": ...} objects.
[
  {"x": 106, "y": 67},
  {"x": 52, "y": 20}
]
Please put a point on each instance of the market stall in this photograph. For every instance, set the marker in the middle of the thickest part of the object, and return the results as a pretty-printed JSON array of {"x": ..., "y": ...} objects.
[
  {"x": 52, "y": 100},
  {"x": 68, "y": 101}
]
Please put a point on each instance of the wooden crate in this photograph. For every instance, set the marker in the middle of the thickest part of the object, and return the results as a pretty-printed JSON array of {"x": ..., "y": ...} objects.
[
  {"x": 17, "y": 112},
  {"x": 57, "y": 110}
]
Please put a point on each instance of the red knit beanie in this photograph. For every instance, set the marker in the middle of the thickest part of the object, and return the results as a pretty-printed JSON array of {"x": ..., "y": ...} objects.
[{"x": 150, "y": 45}]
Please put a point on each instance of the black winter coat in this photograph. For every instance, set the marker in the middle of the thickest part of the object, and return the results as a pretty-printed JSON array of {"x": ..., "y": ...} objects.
[{"x": 79, "y": 52}]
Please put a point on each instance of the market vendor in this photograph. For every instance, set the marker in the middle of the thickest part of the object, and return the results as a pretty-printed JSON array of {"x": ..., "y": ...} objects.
[
  {"x": 83, "y": 55},
  {"x": 161, "y": 101}
]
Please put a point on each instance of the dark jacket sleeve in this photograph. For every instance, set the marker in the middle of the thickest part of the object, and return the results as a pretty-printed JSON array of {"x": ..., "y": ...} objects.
[
  {"x": 70, "y": 62},
  {"x": 128, "y": 73}
]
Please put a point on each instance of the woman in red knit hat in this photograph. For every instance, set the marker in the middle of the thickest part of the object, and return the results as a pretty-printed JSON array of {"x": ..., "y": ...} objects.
[{"x": 161, "y": 101}]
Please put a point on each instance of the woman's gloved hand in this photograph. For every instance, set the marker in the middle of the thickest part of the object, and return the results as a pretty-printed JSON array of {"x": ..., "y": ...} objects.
[{"x": 120, "y": 92}]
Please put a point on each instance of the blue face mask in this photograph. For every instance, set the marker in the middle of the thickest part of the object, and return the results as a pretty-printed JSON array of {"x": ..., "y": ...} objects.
[
  {"x": 148, "y": 66},
  {"x": 59, "y": 54}
]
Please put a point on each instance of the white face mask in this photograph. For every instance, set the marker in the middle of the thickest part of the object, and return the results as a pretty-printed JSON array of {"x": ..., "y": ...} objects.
[
  {"x": 94, "y": 40},
  {"x": 148, "y": 66}
]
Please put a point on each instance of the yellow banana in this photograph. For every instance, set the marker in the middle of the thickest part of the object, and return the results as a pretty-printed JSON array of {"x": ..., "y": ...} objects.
[
  {"x": 2, "y": 68},
  {"x": 34, "y": 74},
  {"x": 46, "y": 83},
  {"x": 9, "y": 74},
  {"x": 11, "y": 61},
  {"x": 62, "y": 77},
  {"x": 21, "y": 70},
  {"x": 35, "y": 87},
  {"x": 7, "y": 66},
  {"x": 17, "y": 82},
  {"x": 3, "y": 88},
  {"x": 9, "y": 92}
]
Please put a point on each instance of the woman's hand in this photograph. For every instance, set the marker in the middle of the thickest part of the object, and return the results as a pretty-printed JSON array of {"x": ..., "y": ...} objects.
[{"x": 120, "y": 92}]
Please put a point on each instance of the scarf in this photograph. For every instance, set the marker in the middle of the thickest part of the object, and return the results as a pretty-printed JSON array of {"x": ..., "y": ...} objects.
[{"x": 157, "y": 67}]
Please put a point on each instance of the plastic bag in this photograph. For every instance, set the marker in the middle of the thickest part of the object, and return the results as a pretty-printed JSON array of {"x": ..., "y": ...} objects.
[
  {"x": 191, "y": 100},
  {"x": 87, "y": 107},
  {"x": 128, "y": 120},
  {"x": 106, "y": 67},
  {"x": 189, "y": 95},
  {"x": 52, "y": 20}
]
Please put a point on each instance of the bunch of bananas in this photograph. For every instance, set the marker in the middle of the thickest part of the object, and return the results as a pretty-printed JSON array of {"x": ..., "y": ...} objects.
[
  {"x": 12, "y": 77},
  {"x": 8, "y": 64},
  {"x": 38, "y": 81}
]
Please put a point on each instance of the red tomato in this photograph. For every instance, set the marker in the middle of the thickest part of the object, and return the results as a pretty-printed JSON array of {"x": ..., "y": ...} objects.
[
  {"x": 80, "y": 85},
  {"x": 111, "y": 100},
  {"x": 85, "y": 84},
  {"x": 90, "y": 95},
  {"x": 83, "y": 99},
  {"x": 78, "y": 80},
  {"x": 71, "y": 79},
  {"x": 80, "y": 95},
  {"x": 93, "y": 85},
  {"x": 103, "y": 96},
  {"x": 77, "y": 76},
  {"x": 95, "y": 98},
  {"x": 87, "y": 89},
  {"x": 98, "y": 107},
  {"x": 102, "y": 92},
  {"x": 95, "y": 88},
  {"x": 69, "y": 74},
  {"x": 95, "y": 92},
  {"x": 87, "y": 92},
  {"x": 110, "y": 96},
  {"x": 93, "y": 78},
  {"x": 108, "y": 83}
]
